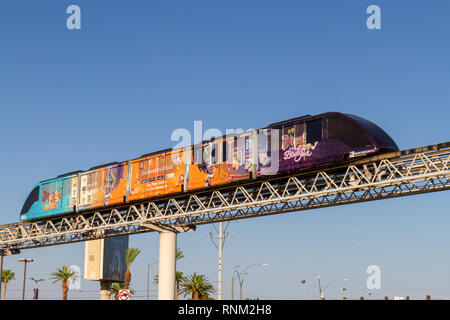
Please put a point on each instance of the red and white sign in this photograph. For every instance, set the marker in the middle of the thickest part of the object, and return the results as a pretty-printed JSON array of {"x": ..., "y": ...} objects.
[{"x": 124, "y": 294}]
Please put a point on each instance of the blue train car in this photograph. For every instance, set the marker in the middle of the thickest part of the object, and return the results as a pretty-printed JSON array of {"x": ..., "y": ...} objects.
[{"x": 51, "y": 197}]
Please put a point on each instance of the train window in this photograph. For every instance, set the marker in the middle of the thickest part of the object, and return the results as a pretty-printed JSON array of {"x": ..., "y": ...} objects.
[
  {"x": 382, "y": 137},
  {"x": 197, "y": 154},
  {"x": 299, "y": 138},
  {"x": 207, "y": 153},
  {"x": 229, "y": 146},
  {"x": 160, "y": 166},
  {"x": 32, "y": 198},
  {"x": 287, "y": 137},
  {"x": 314, "y": 131},
  {"x": 214, "y": 152},
  {"x": 342, "y": 130},
  {"x": 264, "y": 140}
]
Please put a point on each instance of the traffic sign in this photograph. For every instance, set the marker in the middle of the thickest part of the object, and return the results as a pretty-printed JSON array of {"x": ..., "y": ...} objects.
[{"x": 124, "y": 294}]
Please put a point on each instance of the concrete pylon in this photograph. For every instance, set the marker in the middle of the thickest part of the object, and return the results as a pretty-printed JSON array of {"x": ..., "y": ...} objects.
[
  {"x": 167, "y": 265},
  {"x": 105, "y": 290}
]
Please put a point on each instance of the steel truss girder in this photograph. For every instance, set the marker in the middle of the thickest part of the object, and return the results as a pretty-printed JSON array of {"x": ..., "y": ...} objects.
[{"x": 407, "y": 173}]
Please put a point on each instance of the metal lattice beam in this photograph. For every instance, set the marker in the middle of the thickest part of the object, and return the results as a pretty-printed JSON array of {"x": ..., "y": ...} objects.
[{"x": 403, "y": 173}]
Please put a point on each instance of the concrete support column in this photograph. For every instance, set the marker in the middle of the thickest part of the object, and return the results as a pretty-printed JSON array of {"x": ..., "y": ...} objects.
[
  {"x": 167, "y": 265},
  {"x": 105, "y": 293}
]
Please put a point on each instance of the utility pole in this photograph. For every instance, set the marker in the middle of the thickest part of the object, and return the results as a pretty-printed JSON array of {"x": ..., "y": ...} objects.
[
  {"x": 220, "y": 237},
  {"x": 219, "y": 267}
]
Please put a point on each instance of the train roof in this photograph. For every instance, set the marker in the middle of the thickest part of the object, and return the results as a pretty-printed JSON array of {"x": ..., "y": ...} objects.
[
  {"x": 154, "y": 153},
  {"x": 104, "y": 165},
  {"x": 280, "y": 123},
  {"x": 69, "y": 174}
]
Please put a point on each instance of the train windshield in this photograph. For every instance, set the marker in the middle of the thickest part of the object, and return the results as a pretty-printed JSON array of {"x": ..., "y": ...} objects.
[
  {"x": 32, "y": 198},
  {"x": 341, "y": 129},
  {"x": 382, "y": 137}
]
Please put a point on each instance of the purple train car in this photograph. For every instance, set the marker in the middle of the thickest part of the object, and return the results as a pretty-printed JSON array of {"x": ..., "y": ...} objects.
[{"x": 327, "y": 138}]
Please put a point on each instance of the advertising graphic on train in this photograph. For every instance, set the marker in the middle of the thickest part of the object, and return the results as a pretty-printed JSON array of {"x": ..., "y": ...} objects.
[
  {"x": 103, "y": 187},
  {"x": 299, "y": 143},
  {"x": 220, "y": 161},
  {"x": 157, "y": 174},
  {"x": 59, "y": 195}
]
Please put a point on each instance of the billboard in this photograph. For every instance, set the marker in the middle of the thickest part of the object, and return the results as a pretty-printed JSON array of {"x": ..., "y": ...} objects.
[
  {"x": 114, "y": 265},
  {"x": 105, "y": 259}
]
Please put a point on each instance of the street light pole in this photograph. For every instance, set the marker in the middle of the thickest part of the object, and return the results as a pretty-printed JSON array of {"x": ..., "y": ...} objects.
[
  {"x": 322, "y": 297},
  {"x": 232, "y": 281},
  {"x": 322, "y": 291},
  {"x": 303, "y": 282},
  {"x": 241, "y": 281},
  {"x": 24, "y": 274},
  {"x": 343, "y": 290},
  {"x": 36, "y": 289}
]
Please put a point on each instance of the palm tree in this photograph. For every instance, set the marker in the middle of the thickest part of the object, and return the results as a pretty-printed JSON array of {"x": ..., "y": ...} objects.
[
  {"x": 116, "y": 287},
  {"x": 198, "y": 285},
  {"x": 64, "y": 274},
  {"x": 130, "y": 255},
  {"x": 7, "y": 276},
  {"x": 179, "y": 279},
  {"x": 179, "y": 254}
]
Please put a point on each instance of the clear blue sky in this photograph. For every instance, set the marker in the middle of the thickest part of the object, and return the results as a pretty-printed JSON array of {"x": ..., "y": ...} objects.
[{"x": 117, "y": 88}]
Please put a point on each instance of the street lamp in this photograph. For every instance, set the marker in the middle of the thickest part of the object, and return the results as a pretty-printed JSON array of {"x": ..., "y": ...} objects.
[
  {"x": 36, "y": 289},
  {"x": 25, "y": 261},
  {"x": 303, "y": 282},
  {"x": 241, "y": 280},
  {"x": 322, "y": 291}
]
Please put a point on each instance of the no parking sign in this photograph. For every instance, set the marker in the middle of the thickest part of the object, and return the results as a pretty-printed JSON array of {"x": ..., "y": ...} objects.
[{"x": 124, "y": 294}]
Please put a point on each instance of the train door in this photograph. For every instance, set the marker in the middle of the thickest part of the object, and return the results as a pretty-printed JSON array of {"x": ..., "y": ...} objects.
[
  {"x": 204, "y": 170},
  {"x": 160, "y": 183},
  {"x": 90, "y": 189},
  {"x": 114, "y": 184},
  {"x": 268, "y": 149},
  {"x": 69, "y": 193},
  {"x": 142, "y": 177},
  {"x": 237, "y": 157},
  {"x": 174, "y": 171},
  {"x": 291, "y": 146}
]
